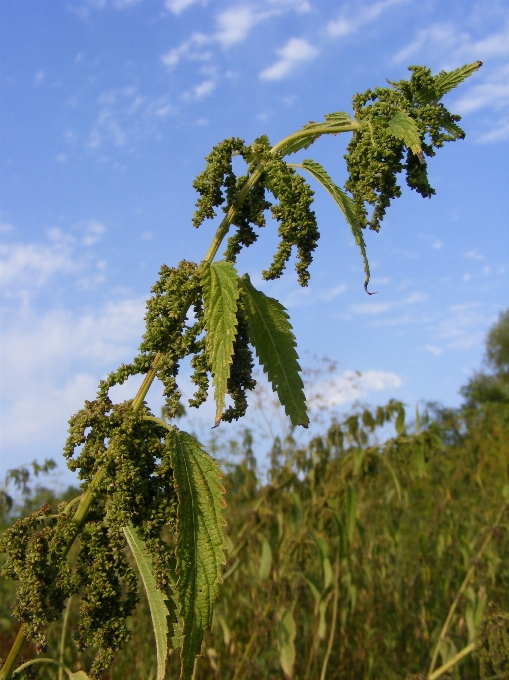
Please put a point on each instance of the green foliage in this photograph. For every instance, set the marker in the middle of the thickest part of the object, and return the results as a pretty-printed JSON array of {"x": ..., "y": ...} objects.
[
  {"x": 143, "y": 479},
  {"x": 297, "y": 221},
  {"x": 201, "y": 541},
  {"x": 156, "y": 598},
  {"x": 271, "y": 334},
  {"x": 493, "y": 642},
  {"x": 412, "y": 109},
  {"x": 334, "y": 123},
  {"x": 220, "y": 294},
  {"x": 345, "y": 204},
  {"x": 286, "y": 642},
  {"x": 405, "y": 128},
  {"x": 493, "y": 387}
]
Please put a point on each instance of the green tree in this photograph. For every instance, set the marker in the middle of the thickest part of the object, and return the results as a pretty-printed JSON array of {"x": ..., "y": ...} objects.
[{"x": 492, "y": 386}]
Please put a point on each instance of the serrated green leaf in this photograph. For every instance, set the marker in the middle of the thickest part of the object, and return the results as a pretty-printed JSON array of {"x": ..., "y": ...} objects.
[
  {"x": 220, "y": 295},
  {"x": 286, "y": 638},
  {"x": 156, "y": 599},
  {"x": 446, "y": 81},
  {"x": 344, "y": 202},
  {"x": 338, "y": 118},
  {"x": 270, "y": 332},
  {"x": 454, "y": 130},
  {"x": 314, "y": 130},
  {"x": 405, "y": 128},
  {"x": 201, "y": 541}
]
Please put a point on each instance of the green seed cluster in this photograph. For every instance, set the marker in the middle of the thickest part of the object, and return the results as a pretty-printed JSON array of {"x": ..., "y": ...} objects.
[
  {"x": 375, "y": 157},
  {"x": 250, "y": 212},
  {"x": 218, "y": 174},
  {"x": 493, "y": 642},
  {"x": 110, "y": 594},
  {"x": 177, "y": 289},
  {"x": 241, "y": 370},
  {"x": 36, "y": 560},
  {"x": 298, "y": 225},
  {"x": 138, "y": 487}
]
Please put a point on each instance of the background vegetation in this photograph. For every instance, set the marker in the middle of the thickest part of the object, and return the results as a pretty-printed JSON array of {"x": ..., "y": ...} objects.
[{"x": 344, "y": 562}]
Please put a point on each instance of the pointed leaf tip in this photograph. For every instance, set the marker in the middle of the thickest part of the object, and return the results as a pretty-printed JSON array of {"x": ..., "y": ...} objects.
[
  {"x": 156, "y": 599},
  {"x": 270, "y": 332},
  {"x": 220, "y": 295}
]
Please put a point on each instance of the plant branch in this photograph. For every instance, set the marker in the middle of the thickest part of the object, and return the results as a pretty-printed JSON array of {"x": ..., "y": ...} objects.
[
  {"x": 465, "y": 583},
  {"x": 452, "y": 662},
  {"x": 308, "y": 132}
]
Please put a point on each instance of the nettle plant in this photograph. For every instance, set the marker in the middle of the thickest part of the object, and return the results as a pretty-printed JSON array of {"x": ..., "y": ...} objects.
[{"x": 147, "y": 484}]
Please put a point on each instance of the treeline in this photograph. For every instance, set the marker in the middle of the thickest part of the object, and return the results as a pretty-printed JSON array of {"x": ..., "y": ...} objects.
[{"x": 361, "y": 556}]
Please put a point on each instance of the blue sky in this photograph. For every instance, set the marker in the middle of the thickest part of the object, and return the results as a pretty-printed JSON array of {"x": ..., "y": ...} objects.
[{"x": 108, "y": 109}]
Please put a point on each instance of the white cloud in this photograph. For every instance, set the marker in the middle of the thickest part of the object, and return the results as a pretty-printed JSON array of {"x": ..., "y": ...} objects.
[
  {"x": 42, "y": 379},
  {"x": 438, "y": 35},
  {"x": 93, "y": 232},
  {"x": 436, "y": 351},
  {"x": 345, "y": 24},
  {"x": 32, "y": 265},
  {"x": 447, "y": 42},
  {"x": 299, "y": 6},
  {"x": 310, "y": 296},
  {"x": 200, "y": 91},
  {"x": 235, "y": 23},
  {"x": 464, "y": 326},
  {"x": 498, "y": 133},
  {"x": 296, "y": 51},
  {"x": 493, "y": 93},
  {"x": 187, "y": 49},
  {"x": 350, "y": 386},
  {"x": 178, "y": 6},
  {"x": 26, "y": 267},
  {"x": 373, "y": 308}
]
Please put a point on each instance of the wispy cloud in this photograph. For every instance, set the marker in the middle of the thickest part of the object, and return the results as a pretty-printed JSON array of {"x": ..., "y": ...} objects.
[
  {"x": 295, "y": 52},
  {"x": 310, "y": 296},
  {"x": 350, "y": 21},
  {"x": 464, "y": 326},
  {"x": 374, "y": 308},
  {"x": 178, "y": 6},
  {"x": 25, "y": 268},
  {"x": 41, "y": 366},
  {"x": 201, "y": 91},
  {"x": 493, "y": 93},
  {"x": 350, "y": 386},
  {"x": 232, "y": 26},
  {"x": 125, "y": 115}
]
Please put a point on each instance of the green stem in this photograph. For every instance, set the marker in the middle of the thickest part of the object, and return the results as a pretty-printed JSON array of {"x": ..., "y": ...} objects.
[
  {"x": 44, "y": 660},
  {"x": 452, "y": 662},
  {"x": 309, "y": 132},
  {"x": 230, "y": 215},
  {"x": 62, "y": 639},
  {"x": 333, "y": 623},
  {"x": 465, "y": 583},
  {"x": 12, "y": 659}
]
